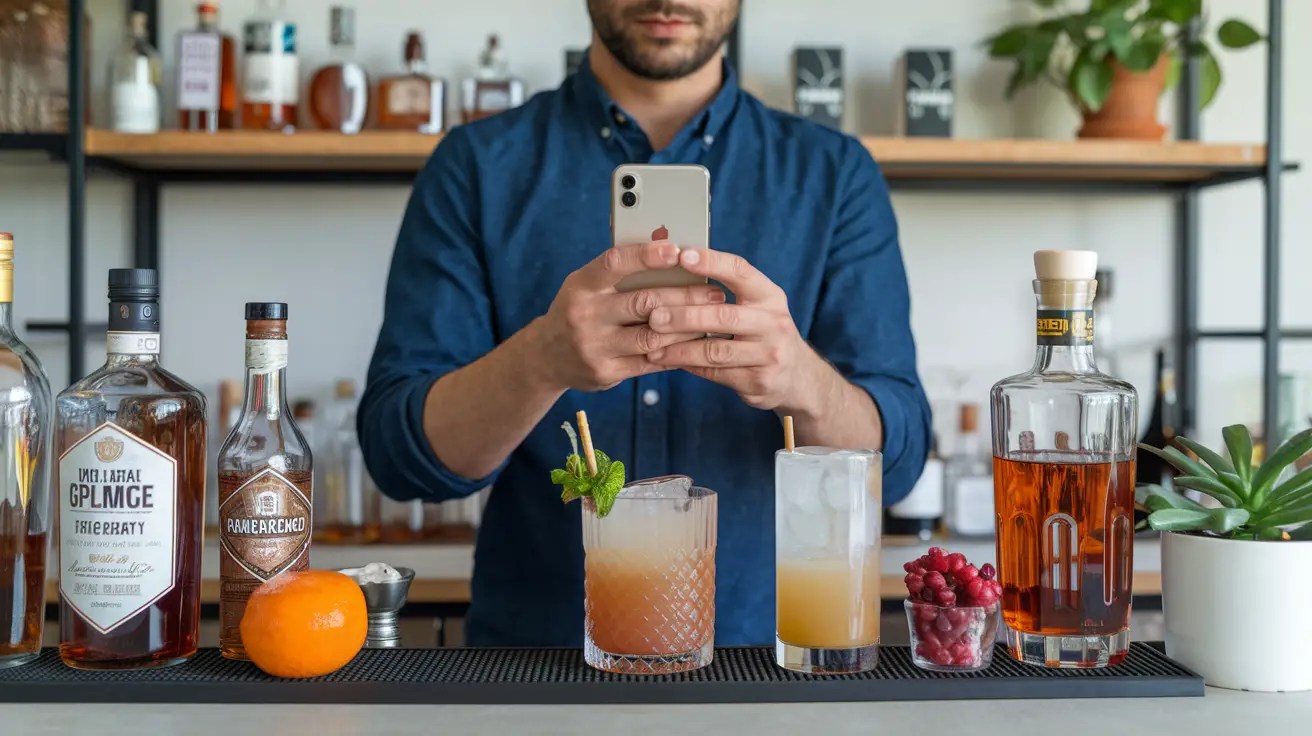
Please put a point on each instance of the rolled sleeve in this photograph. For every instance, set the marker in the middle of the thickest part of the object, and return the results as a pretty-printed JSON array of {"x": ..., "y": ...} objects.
[
  {"x": 437, "y": 318},
  {"x": 863, "y": 321}
]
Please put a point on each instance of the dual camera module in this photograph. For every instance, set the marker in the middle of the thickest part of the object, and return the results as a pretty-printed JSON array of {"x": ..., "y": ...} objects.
[{"x": 628, "y": 198}]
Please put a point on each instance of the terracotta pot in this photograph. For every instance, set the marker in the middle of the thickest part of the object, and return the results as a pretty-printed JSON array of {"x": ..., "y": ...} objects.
[{"x": 1131, "y": 109}]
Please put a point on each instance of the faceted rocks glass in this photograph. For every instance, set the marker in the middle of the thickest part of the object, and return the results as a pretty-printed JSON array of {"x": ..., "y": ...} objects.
[{"x": 649, "y": 579}]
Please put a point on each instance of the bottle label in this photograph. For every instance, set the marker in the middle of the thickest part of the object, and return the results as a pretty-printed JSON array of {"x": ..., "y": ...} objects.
[
  {"x": 972, "y": 506},
  {"x": 926, "y": 498},
  {"x": 132, "y": 343},
  {"x": 200, "y": 70},
  {"x": 1065, "y": 327},
  {"x": 272, "y": 69},
  {"x": 7, "y": 277},
  {"x": 266, "y": 356},
  {"x": 135, "y": 108},
  {"x": 264, "y": 526},
  {"x": 118, "y": 528},
  {"x": 409, "y": 97}
]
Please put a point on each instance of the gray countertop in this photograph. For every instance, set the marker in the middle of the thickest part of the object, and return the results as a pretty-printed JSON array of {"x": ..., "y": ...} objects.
[{"x": 1220, "y": 712}]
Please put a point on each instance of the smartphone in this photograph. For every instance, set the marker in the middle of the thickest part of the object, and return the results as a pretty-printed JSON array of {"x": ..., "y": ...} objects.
[{"x": 652, "y": 202}]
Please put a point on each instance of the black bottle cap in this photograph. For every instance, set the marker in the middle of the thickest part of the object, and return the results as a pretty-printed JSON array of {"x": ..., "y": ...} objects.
[
  {"x": 133, "y": 285},
  {"x": 266, "y": 310}
]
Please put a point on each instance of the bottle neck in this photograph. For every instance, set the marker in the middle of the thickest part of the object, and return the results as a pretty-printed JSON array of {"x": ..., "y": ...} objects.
[
  {"x": 132, "y": 348},
  {"x": 6, "y": 319},
  {"x": 266, "y": 373},
  {"x": 1064, "y": 327},
  {"x": 209, "y": 21},
  {"x": 133, "y": 336}
]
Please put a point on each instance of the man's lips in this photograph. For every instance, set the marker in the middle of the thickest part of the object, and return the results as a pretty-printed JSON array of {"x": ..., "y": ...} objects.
[{"x": 664, "y": 27}]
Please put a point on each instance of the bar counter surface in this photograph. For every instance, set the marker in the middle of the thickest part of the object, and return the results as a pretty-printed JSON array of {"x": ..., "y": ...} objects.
[{"x": 1220, "y": 712}]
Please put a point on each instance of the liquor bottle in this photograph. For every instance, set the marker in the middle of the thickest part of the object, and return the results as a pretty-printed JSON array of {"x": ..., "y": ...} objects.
[
  {"x": 339, "y": 92},
  {"x": 132, "y": 466},
  {"x": 491, "y": 90},
  {"x": 1063, "y": 459},
  {"x": 270, "y": 96},
  {"x": 134, "y": 82},
  {"x": 921, "y": 512},
  {"x": 229, "y": 408},
  {"x": 26, "y": 413},
  {"x": 265, "y": 479},
  {"x": 353, "y": 505},
  {"x": 415, "y": 100},
  {"x": 970, "y": 480},
  {"x": 207, "y": 74},
  {"x": 1104, "y": 352},
  {"x": 1161, "y": 425}
]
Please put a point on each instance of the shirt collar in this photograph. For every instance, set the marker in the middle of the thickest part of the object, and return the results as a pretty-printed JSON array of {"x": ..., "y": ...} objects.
[{"x": 603, "y": 112}]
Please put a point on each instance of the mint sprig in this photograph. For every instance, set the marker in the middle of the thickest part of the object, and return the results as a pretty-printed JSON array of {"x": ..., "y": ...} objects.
[{"x": 602, "y": 488}]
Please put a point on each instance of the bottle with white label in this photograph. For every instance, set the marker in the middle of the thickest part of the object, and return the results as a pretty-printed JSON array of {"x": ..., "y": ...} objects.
[
  {"x": 492, "y": 89},
  {"x": 131, "y": 480},
  {"x": 921, "y": 512},
  {"x": 270, "y": 95},
  {"x": 134, "y": 82},
  {"x": 970, "y": 481},
  {"x": 266, "y": 479}
]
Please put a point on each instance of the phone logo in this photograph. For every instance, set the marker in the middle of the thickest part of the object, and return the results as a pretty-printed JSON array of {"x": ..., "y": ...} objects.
[{"x": 660, "y": 233}]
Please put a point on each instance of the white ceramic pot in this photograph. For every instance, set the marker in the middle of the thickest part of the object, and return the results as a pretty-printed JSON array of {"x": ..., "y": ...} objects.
[{"x": 1239, "y": 613}]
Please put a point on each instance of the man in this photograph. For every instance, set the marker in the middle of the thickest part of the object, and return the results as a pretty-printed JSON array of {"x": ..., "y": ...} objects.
[{"x": 502, "y": 319}]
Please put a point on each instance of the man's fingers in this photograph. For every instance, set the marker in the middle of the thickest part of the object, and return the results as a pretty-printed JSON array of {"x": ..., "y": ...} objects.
[
  {"x": 641, "y": 340},
  {"x": 742, "y": 278},
  {"x": 730, "y": 319},
  {"x": 606, "y": 270},
  {"x": 713, "y": 353},
  {"x": 636, "y": 307}
]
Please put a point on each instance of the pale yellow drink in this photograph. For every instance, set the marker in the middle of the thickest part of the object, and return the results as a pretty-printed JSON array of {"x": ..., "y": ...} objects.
[{"x": 828, "y": 603}]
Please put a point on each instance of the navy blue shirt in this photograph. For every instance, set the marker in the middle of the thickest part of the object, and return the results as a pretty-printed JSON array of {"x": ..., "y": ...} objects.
[{"x": 507, "y": 208}]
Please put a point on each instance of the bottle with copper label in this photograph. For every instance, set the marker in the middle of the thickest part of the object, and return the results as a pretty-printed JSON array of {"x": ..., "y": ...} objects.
[
  {"x": 131, "y": 440},
  {"x": 265, "y": 479},
  {"x": 492, "y": 89},
  {"x": 415, "y": 100},
  {"x": 339, "y": 92}
]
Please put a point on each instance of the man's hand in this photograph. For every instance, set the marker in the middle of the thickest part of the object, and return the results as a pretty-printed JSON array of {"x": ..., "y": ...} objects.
[
  {"x": 767, "y": 363},
  {"x": 594, "y": 337}
]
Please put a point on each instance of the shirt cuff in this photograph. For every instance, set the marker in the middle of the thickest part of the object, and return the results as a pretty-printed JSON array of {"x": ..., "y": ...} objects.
[{"x": 905, "y": 431}]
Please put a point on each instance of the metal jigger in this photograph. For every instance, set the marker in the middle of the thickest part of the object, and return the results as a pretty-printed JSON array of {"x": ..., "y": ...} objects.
[{"x": 383, "y": 602}]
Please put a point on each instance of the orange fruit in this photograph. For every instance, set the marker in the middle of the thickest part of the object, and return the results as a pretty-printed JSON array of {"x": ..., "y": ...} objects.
[{"x": 304, "y": 624}]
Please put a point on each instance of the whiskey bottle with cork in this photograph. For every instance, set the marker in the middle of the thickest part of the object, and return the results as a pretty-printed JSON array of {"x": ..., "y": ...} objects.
[
  {"x": 970, "y": 480},
  {"x": 414, "y": 100},
  {"x": 339, "y": 92},
  {"x": 131, "y": 438},
  {"x": 26, "y": 411},
  {"x": 270, "y": 97},
  {"x": 492, "y": 89},
  {"x": 265, "y": 479},
  {"x": 1063, "y": 463},
  {"x": 207, "y": 74}
]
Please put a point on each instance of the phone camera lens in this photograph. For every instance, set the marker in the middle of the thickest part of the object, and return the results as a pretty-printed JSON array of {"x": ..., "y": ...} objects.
[
  {"x": 628, "y": 182},
  {"x": 629, "y": 199}
]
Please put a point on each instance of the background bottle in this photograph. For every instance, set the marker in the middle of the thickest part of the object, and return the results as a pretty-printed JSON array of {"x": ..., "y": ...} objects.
[
  {"x": 134, "y": 82},
  {"x": 970, "y": 480},
  {"x": 921, "y": 512},
  {"x": 271, "y": 83},
  {"x": 339, "y": 92},
  {"x": 26, "y": 418},
  {"x": 265, "y": 479},
  {"x": 1161, "y": 425},
  {"x": 415, "y": 100},
  {"x": 207, "y": 74}
]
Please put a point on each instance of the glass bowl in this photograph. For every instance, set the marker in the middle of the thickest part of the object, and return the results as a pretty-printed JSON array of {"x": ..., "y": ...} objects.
[{"x": 951, "y": 639}]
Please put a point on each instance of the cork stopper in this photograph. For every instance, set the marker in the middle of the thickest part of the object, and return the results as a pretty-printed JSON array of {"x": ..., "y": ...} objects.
[
  {"x": 6, "y": 268},
  {"x": 969, "y": 418},
  {"x": 346, "y": 389},
  {"x": 6, "y": 245},
  {"x": 1065, "y": 265},
  {"x": 303, "y": 410}
]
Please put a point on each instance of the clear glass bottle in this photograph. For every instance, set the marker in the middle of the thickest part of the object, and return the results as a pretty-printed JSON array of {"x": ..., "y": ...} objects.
[
  {"x": 266, "y": 479},
  {"x": 26, "y": 431},
  {"x": 135, "y": 76},
  {"x": 207, "y": 74},
  {"x": 339, "y": 92},
  {"x": 271, "y": 83},
  {"x": 1063, "y": 457},
  {"x": 492, "y": 89},
  {"x": 352, "y": 504},
  {"x": 970, "y": 480},
  {"x": 131, "y": 508},
  {"x": 415, "y": 100}
]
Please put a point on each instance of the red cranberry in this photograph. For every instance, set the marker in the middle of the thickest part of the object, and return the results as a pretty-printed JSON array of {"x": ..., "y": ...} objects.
[
  {"x": 925, "y": 627},
  {"x": 942, "y": 657},
  {"x": 956, "y": 561},
  {"x": 967, "y": 574},
  {"x": 927, "y": 595},
  {"x": 926, "y": 612},
  {"x": 923, "y": 651},
  {"x": 961, "y": 653},
  {"x": 943, "y": 624},
  {"x": 939, "y": 564},
  {"x": 935, "y": 581},
  {"x": 909, "y": 566},
  {"x": 976, "y": 588},
  {"x": 937, "y": 552},
  {"x": 915, "y": 584},
  {"x": 997, "y": 587},
  {"x": 987, "y": 571},
  {"x": 947, "y": 598},
  {"x": 932, "y": 641}
]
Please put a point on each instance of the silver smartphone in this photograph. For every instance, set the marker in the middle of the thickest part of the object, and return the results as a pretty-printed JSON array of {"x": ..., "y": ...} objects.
[{"x": 654, "y": 202}]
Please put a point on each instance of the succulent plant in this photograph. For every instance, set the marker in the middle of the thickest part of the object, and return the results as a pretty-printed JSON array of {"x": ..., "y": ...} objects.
[{"x": 1255, "y": 503}]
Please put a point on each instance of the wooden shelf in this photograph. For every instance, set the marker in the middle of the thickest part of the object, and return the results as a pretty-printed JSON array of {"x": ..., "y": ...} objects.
[{"x": 902, "y": 159}]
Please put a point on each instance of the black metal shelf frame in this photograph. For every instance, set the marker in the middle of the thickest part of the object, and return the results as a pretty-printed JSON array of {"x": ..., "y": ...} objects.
[{"x": 146, "y": 190}]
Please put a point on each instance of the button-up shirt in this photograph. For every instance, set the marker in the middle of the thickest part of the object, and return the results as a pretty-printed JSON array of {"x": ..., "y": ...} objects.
[{"x": 506, "y": 208}]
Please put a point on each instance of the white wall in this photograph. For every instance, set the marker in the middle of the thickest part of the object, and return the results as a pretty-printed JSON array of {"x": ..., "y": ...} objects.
[{"x": 326, "y": 249}]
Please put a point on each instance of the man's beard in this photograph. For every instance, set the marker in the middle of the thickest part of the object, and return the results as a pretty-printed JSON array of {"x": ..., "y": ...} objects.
[{"x": 614, "y": 26}]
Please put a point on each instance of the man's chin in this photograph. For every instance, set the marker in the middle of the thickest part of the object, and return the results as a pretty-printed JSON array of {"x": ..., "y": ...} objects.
[{"x": 663, "y": 64}]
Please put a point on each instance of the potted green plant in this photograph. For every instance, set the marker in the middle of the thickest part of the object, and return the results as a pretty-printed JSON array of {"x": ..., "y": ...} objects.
[
  {"x": 1237, "y": 608},
  {"x": 1115, "y": 58}
]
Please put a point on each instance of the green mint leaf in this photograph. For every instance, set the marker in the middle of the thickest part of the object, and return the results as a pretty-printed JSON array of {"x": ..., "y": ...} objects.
[
  {"x": 574, "y": 465},
  {"x": 608, "y": 488}
]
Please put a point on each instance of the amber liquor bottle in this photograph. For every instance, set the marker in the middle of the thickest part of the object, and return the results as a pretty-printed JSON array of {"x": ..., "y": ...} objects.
[
  {"x": 415, "y": 100},
  {"x": 270, "y": 97},
  {"x": 131, "y": 440},
  {"x": 207, "y": 74},
  {"x": 1063, "y": 480},
  {"x": 265, "y": 479}
]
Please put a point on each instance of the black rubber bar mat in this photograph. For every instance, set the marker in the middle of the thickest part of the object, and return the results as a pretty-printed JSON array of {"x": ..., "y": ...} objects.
[{"x": 547, "y": 676}]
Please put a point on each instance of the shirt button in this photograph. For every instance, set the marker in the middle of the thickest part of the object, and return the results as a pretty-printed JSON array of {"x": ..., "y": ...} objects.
[
  {"x": 708, "y": 140},
  {"x": 619, "y": 118},
  {"x": 605, "y": 132},
  {"x": 651, "y": 397}
]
